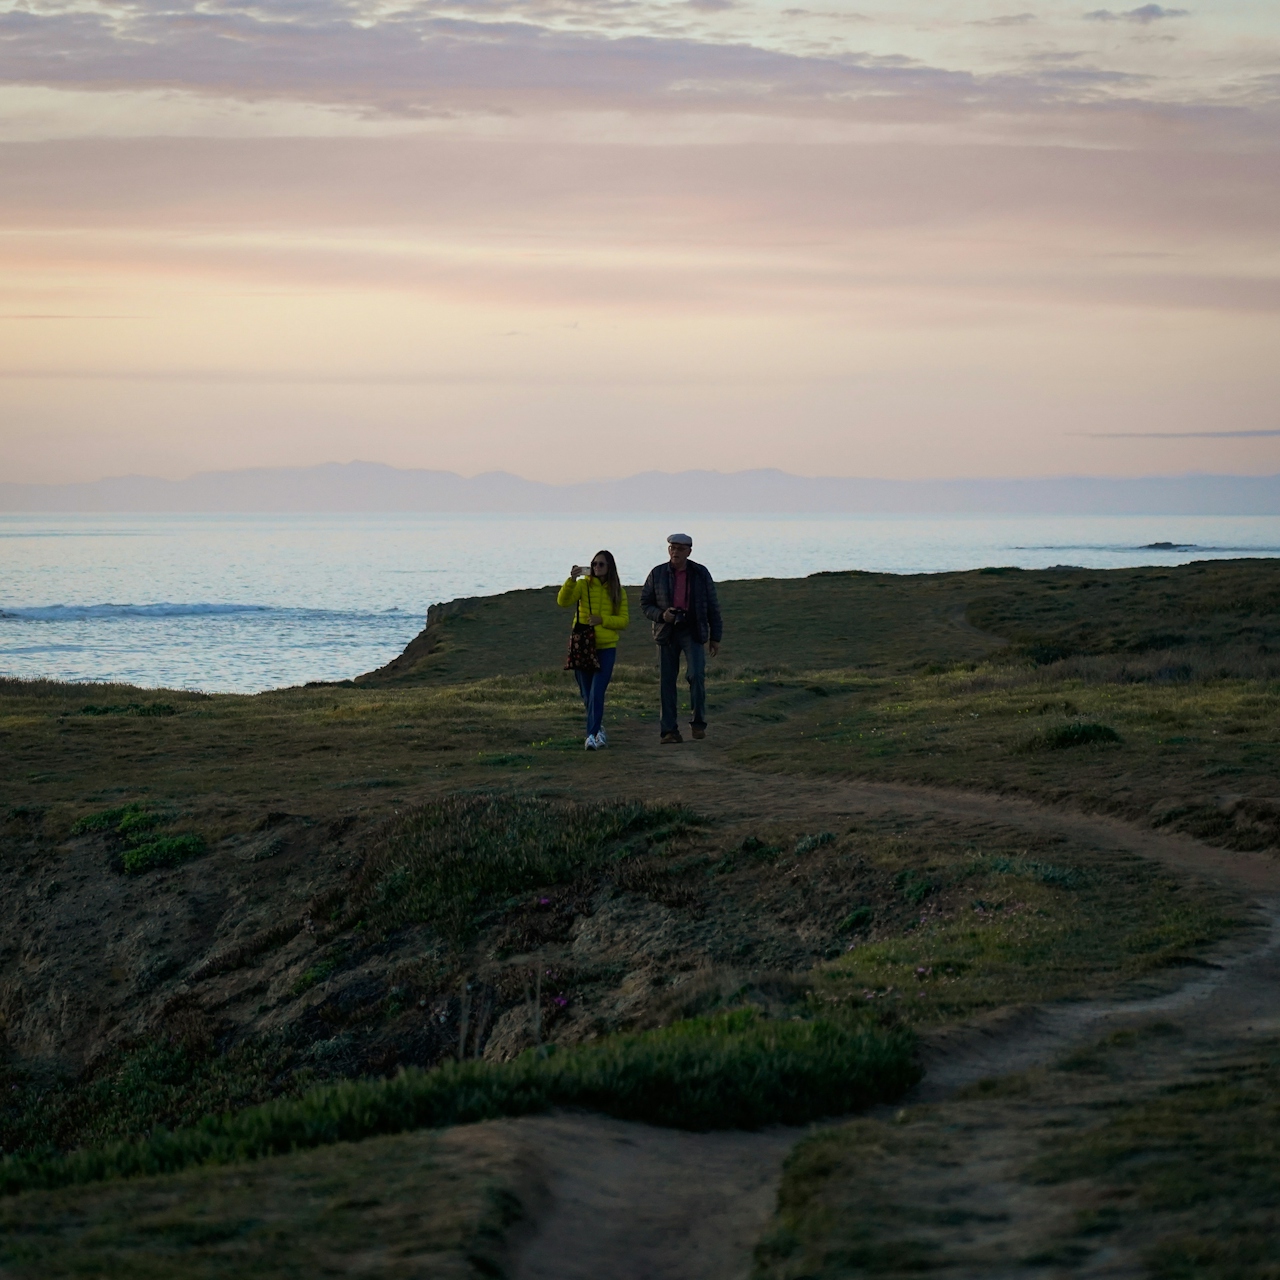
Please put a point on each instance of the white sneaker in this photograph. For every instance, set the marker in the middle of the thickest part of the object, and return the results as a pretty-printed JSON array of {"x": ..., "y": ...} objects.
[
  {"x": 591, "y": 742},
  {"x": 601, "y": 740}
]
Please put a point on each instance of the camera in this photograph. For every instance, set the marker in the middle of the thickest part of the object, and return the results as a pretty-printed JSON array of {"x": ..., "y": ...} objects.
[{"x": 678, "y": 615}]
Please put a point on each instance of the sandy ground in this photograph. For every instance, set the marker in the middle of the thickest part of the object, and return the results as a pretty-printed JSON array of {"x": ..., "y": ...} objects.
[{"x": 635, "y": 1202}]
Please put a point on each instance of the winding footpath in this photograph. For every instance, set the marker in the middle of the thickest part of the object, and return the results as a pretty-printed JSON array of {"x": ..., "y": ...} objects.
[{"x": 633, "y": 1202}]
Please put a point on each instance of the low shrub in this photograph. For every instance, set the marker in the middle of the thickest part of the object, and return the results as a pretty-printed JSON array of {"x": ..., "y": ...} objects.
[
  {"x": 134, "y": 823},
  {"x": 915, "y": 886},
  {"x": 738, "y": 1070},
  {"x": 807, "y": 844},
  {"x": 163, "y": 851},
  {"x": 1044, "y": 653},
  {"x": 143, "y": 851},
  {"x": 1046, "y": 872},
  {"x": 858, "y": 918},
  {"x": 1076, "y": 734},
  {"x": 316, "y": 974},
  {"x": 116, "y": 820}
]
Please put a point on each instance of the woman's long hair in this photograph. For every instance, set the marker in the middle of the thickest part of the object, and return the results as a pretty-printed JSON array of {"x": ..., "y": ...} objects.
[{"x": 613, "y": 584}]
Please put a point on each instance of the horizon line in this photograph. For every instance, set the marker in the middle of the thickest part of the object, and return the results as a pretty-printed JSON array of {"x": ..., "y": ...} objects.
[{"x": 690, "y": 471}]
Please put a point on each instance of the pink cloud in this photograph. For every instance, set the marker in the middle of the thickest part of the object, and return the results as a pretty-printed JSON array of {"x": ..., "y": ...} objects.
[{"x": 686, "y": 227}]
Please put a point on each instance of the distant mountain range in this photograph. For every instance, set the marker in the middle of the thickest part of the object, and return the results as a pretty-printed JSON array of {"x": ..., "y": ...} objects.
[{"x": 372, "y": 486}]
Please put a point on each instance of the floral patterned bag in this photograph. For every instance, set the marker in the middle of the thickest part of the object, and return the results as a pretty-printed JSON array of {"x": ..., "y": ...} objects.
[{"x": 582, "y": 654}]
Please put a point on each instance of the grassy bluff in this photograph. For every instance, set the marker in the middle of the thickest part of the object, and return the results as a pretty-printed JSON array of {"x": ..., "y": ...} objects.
[{"x": 263, "y": 938}]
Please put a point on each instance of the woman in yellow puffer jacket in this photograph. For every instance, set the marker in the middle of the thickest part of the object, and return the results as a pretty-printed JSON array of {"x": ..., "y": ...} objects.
[{"x": 600, "y": 600}]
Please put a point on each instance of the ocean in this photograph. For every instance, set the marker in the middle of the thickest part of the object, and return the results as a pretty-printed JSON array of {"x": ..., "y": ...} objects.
[{"x": 242, "y": 603}]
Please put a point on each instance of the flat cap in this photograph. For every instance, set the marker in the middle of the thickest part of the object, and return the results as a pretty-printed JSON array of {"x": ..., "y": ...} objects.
[{"x": 680, "y": 537}]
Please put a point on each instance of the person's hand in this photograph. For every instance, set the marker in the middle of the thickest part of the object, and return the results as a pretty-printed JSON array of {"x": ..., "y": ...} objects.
[
  {"x": 714, "y": 647},
  {"x": 577, "y": 571},
  {"x": 595, "y": 620},
  {"x": 669, "y": 616}
]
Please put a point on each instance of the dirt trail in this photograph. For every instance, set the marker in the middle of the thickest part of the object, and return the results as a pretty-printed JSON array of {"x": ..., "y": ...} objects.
[{"x": 631, "y": 1202}]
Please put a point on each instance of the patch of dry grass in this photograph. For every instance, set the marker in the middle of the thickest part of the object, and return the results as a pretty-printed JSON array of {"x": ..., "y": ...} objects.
[
  {"x": 399, "y": 1207},
  {"x": 1201, "y": 756},
  {"x": 1147, "y": 1153}
]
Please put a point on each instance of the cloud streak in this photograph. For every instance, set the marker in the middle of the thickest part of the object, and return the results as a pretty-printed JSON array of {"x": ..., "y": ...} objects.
[
  {"x": 1143, "y": 15},
  {"x": 423, "y": 60},
  {"x": 1177, "y": 435},
  {"x": 1006, "y": 20},
  {"x": 425, "y": 63}
]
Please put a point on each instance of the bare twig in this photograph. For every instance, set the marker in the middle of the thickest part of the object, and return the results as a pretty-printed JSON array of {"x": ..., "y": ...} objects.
[
  {"x": 483, "y": 1021},
  {"x": 462, "y": 1018},
  {"x": 537, "y": 1010},
  {"x": 533, "y": 1003}
]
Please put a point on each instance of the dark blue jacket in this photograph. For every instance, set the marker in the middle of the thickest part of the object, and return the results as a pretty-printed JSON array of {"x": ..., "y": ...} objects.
[{"x": 704, "y": 606}]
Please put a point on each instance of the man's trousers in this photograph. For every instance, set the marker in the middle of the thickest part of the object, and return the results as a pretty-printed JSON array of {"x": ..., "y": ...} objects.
[{"x": 695, "y": 667}]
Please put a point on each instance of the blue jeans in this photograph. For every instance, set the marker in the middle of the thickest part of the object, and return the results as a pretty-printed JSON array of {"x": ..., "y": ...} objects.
[
  {"x": 695, "y": 668},
  {"x": 592, "y": 684}
]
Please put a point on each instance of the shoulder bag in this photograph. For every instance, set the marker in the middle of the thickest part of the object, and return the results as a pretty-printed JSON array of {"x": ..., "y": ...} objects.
[{"x": 582, "y": 654}]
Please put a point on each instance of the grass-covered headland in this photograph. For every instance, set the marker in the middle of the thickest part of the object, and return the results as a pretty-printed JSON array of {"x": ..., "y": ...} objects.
[{"x": 239, "y": 928}]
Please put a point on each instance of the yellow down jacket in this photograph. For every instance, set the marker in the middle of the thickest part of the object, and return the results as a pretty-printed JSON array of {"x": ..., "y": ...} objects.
[{"x": 594, "y": 598}]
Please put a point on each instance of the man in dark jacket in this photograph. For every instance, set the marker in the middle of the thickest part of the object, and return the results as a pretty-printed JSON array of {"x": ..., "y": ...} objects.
[{"x": 679, "y": 598}]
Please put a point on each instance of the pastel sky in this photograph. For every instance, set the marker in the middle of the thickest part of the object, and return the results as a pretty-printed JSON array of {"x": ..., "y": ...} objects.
[{"x": 589, "y": 237}]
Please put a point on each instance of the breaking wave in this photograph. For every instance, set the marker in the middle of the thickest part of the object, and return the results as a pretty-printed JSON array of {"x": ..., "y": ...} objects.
[{"x": 92, "y": 612}]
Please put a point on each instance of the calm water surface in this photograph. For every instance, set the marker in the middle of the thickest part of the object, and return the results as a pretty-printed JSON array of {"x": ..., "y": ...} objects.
[{"x": 244, "y": 603}]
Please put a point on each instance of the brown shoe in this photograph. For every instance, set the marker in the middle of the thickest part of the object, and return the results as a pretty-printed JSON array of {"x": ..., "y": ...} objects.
[
  {"x": 673, "y": 736},
  {"x": 698, "y": 730}
]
